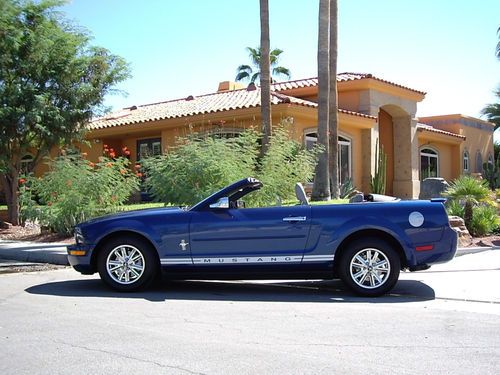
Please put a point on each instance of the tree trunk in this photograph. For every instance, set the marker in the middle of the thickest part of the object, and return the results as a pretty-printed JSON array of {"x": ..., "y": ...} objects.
[
  {"x": 468, "y": 216},
  {"x": 10, "y": 183},
  {"x": 333, "y": 104},
  {"x": 321, "y": 187},
  {"x": 265, "y": 76}
]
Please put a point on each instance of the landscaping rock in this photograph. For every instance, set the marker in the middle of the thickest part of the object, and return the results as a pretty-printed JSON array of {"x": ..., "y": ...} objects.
[
  {"x": 432, "y": 187},
  {"x": 458, "y": 225}
]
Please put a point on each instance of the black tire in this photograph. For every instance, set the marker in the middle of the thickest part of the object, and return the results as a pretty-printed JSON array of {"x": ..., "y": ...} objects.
[
  {"x": 370, "y": 267},
  {"x": 136, "y": 271}
]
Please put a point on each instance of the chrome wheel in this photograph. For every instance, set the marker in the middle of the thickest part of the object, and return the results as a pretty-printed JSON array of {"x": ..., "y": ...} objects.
[
  {"x": 125, "y": 264},
  {"x": 370, "y": 268}
]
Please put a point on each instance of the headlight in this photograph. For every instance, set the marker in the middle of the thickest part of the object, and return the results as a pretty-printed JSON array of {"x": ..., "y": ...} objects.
[{"x": 79, "y": 236}]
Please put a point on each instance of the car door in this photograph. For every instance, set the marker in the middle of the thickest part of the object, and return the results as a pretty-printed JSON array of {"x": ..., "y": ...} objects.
[{"x": 249, "y": 235}]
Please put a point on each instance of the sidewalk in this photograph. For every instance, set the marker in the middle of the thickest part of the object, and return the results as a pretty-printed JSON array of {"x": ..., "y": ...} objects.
[{"x": 55, "y": 253}]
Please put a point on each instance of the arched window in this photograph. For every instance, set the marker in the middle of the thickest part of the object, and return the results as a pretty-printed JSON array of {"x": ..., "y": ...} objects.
[
  {"x": 344, "y": 160},
  {"x": 466, "y": 162},
  {"x": 429, "y": 163},
  {"x": 479, "y": 163},
  {"x": 490, "y": 159},
  {"x": 26, "y": 164}
]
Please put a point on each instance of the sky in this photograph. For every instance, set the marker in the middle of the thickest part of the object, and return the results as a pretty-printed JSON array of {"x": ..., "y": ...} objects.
[{"x": 179, "y": 48}]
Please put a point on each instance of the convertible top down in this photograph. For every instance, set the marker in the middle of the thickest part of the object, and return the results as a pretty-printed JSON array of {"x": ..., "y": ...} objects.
[{"x": 365, "y": 244}]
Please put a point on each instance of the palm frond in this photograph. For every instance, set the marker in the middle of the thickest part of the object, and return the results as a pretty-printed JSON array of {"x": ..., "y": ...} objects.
[
  {"x": 255, "y": 77},
  {"x": 254, "y": 54},
  {"x": 280, "y": 70},
  {"x": 492, "y": 112},
  {"x": 242, "y": 76}
]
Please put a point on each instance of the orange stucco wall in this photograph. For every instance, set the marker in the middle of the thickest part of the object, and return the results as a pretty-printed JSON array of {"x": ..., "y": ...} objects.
[
  {"x": 448, "y": 154},
  {"x": 478, "y": 138}
]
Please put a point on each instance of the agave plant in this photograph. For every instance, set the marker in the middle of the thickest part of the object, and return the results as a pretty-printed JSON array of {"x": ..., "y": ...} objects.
[{"x": 470, "y": 192}]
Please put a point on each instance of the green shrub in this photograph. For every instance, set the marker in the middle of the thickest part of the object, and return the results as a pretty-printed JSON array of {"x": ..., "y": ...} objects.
[
  {"x": 199, "y": 166},
  {"x": 484, "y": 220},
  {"x": 285, "y": 163},
  {"x": 75, "y": 190},
  {"x": 455, "y": 208}
]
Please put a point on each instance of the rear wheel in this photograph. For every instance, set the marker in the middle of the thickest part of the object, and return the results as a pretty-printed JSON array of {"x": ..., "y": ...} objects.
[
  {"x": 127, "y": 264},
  {"x": 370, "y": 267}
]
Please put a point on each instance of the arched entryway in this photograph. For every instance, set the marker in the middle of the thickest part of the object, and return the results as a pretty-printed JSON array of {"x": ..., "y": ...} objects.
[{"x": 397, "y": 137}]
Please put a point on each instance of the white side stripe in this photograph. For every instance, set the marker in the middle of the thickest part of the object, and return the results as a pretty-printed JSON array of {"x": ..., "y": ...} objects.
[{"x": 249, "y": 260}]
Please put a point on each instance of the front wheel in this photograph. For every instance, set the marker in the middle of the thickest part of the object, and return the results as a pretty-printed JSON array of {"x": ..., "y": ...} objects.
[
  {"x": 370, "y": 267},
  {"x": 127, "y": 264}
]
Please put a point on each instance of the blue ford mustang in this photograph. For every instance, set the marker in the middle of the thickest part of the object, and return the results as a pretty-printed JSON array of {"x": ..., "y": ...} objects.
[{"x": 365, "y": 244}]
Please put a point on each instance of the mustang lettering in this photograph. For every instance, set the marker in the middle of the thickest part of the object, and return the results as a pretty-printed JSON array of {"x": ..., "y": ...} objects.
[{"x": 365, "y": 244}]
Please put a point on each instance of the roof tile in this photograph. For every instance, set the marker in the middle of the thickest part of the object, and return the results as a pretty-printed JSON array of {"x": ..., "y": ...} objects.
[{"x": 198, "y": 105}]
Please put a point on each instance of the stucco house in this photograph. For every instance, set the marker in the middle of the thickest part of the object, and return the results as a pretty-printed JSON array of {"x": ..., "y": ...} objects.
[{"x": 370, "y": 109}]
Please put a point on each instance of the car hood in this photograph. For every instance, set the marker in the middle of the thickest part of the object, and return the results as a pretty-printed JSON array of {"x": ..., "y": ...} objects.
[{"x": 134, "y": 214}]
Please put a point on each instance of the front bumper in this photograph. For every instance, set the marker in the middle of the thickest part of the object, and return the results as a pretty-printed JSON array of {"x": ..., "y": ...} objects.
[{"x": 80, "y": 258}]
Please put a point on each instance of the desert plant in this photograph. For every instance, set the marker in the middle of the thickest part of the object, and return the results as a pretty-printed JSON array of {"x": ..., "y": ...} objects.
[
  {"x": 484, "y": 220},
  {"x": 347, "y": 189},
  {"x": 491, "y": 172},
  {"x": 454, "y": 208},
  {"x": 378, "y": 181},
  {"x": 468, "y": 191},
  {"x": 285, "y": 163},
  {"x": 75, "y": 190},
  {"x": 199, "y": 166}
]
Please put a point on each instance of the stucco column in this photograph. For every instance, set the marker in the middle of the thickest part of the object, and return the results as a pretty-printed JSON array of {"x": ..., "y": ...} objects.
[{"x": 406, "y": 182}]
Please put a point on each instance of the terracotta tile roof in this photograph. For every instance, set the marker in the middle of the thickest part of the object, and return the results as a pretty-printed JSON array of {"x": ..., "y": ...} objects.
[
  {"x": 432, "y": 129},
  {"x": 198, "y": 105},
  {"x": 341, "y": 77}
]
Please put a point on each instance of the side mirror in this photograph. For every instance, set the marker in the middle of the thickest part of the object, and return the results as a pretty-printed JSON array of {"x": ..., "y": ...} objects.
[{"x": 221, "y": 203}]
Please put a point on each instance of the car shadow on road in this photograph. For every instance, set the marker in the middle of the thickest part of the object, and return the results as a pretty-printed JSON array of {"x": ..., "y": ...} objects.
[{"x": 329, "y": 291}]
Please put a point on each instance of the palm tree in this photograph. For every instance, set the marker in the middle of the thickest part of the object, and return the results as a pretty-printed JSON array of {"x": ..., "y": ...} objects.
[
  {"x": 497, "y": 50},
  {"x": 321, "y": 187},
  {"x": 245, "y": 72},
  {"x": 265, "y": 75},
  {"x": 492, "y": 111},
  {"x": 333, "y": 117},
  {"x": 470, "y": 191}
]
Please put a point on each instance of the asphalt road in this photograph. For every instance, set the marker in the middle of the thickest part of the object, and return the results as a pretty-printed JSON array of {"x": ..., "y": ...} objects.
[{"x": 445, "y": 320}]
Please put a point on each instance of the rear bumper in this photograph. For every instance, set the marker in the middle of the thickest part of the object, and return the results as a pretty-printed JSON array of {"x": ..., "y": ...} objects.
[{"x": 442, "y": 251}]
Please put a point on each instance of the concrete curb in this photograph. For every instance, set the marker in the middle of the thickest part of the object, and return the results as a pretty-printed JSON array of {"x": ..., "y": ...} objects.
[
  {"x": 473, "y": 250},
  {"x": 52, "y": 253}
]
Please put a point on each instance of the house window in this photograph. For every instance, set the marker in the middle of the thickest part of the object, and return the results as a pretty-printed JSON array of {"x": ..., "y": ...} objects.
[
  {"x": 479, "y": 163},
  {"x": 26, "y": 164},
  {"x": 224, "y": 133},
  {"x": 148, "y": 147},
  {"x": 429, "y": 163},
  {"x": 344, "y": 160},
  {"x": 466, "y": 162}
]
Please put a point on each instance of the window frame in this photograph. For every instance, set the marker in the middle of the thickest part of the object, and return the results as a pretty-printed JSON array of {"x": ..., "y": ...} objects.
[
  {"x": 433, "y": 154},
  {"x": 465, "y": 162},
  {"x": 346, "y": 141}
]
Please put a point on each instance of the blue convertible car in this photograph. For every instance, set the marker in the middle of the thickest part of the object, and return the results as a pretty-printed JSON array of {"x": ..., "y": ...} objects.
[{"x": 365, "y": 244}]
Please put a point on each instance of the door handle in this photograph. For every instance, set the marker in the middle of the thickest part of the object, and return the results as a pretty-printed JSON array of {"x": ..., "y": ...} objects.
[{"x": 294, "y": 218}]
